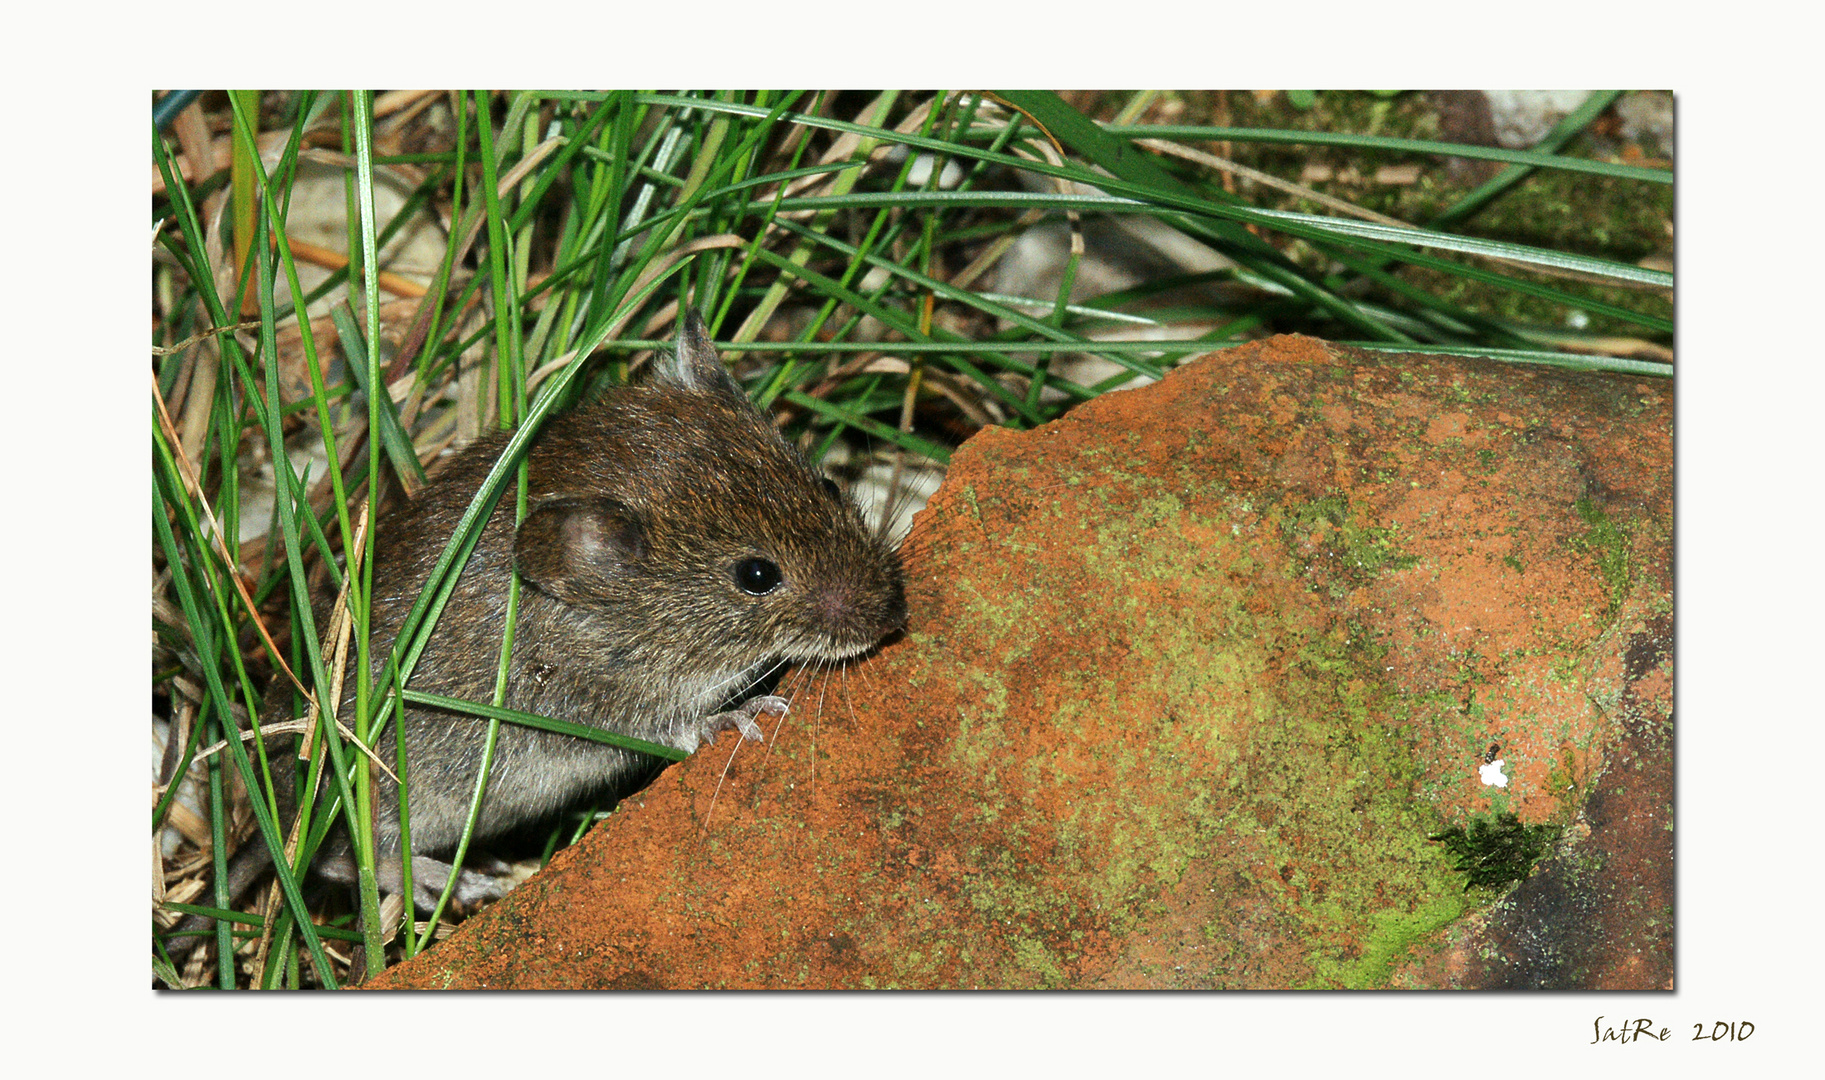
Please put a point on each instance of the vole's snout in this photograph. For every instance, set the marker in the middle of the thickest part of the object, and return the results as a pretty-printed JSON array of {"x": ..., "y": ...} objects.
[
  {"x": 893, "y": 615},
  {"x": 856, "y": 613}
]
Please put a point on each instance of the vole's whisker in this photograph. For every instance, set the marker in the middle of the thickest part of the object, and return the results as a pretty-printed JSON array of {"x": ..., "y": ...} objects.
[{"x": 721, "y": 777}]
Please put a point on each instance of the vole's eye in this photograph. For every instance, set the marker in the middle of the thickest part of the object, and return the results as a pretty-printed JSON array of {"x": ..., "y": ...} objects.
[
  {"x": 830, "y": 486},
  {"x": 757, "y": 577}
]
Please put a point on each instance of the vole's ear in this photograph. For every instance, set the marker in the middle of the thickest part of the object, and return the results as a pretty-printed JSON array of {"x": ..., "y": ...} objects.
[
  {"x": 574, "y": 549},
  {"x": 694, "y": 365}
]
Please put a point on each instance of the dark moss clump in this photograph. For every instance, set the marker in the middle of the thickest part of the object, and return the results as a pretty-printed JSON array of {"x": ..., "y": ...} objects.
[{"x": 1496, "y": 851}]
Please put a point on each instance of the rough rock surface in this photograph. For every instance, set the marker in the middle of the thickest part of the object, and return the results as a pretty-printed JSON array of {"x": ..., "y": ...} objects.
[{"x": 1192, "y": 675}]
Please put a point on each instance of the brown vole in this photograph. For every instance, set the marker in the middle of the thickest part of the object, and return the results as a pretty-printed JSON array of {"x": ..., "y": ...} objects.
[{"x": 674, "y": 551}]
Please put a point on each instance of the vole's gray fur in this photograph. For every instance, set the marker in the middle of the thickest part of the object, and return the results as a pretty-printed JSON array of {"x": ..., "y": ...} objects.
[{"x": 675, "y": 549}]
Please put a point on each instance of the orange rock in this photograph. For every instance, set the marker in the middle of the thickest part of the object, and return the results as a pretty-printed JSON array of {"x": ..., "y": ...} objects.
[{"x": 1191, "y": 675}]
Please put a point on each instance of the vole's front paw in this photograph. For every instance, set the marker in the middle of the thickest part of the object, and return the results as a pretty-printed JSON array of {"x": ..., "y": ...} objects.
[{"x": 742, "y": 718}]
